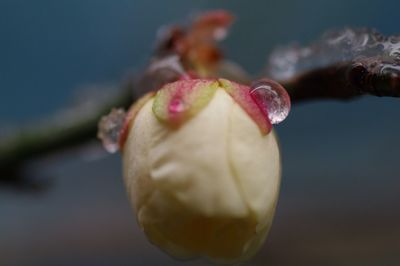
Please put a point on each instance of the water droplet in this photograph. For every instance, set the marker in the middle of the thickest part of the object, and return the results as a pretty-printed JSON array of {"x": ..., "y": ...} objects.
[
  {"x": 272, "y": 98},
  {"x": 110, "y": 128},
  {"x": 176, "y": 106},
  {"x": 357, "y": 75},
  {"x": 220, "y": 33}
]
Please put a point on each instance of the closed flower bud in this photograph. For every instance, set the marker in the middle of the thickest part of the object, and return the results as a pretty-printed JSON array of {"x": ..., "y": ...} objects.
[{"x": 202, "y": 169}]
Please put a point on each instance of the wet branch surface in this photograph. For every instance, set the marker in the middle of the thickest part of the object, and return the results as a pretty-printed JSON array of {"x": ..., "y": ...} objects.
[
  {"x": 343, "y": 81},
  {"x": 340, "y": 65}
]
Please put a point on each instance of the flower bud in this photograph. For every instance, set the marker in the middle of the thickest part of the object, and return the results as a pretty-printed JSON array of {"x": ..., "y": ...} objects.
[{"x": 202, "y": 169}]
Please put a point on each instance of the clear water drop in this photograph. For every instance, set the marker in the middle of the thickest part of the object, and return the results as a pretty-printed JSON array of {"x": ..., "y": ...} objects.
[
  {"x": 176, "y": 106},
  {"x": 271, "y": 97},
  {"x": 110, "y": 128}
]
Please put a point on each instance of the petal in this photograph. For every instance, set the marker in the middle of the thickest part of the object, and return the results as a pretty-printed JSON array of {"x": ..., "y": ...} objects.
[
  {"x": 132, "y": 113},
  {"x": 177, "y": 102},
  {"x": 241, "y": 94}
]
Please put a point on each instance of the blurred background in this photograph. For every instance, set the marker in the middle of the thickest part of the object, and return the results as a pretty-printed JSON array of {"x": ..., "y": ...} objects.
[{"x": 340, "y": 193}]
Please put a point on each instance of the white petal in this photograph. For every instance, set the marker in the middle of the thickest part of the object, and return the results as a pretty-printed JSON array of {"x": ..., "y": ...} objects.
[{"x": 192, "y": 162}]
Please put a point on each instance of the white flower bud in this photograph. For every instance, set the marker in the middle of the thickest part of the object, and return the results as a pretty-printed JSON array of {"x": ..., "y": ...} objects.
[{"x": 207, "y": 187}]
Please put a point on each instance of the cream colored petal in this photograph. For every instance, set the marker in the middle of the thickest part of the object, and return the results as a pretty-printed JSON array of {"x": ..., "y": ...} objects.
[
  {"x": 192, "y": 162},
  {"x": 135, "y": 155},
  {"x": 256, "y": 163}
]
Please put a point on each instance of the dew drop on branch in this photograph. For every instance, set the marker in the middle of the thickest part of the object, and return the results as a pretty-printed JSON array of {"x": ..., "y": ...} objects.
[
  {"x": 354, "y": 45},
  {"x": 110, "y": 128},
  {"x": 272, "y": 98}
]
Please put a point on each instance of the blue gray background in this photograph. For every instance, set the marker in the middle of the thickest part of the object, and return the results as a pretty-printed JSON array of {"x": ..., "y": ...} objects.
[{"x": 339, "y": 203}]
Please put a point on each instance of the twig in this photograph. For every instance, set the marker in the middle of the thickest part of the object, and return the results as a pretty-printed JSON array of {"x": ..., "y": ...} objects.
[
  {"x": 340, "y": 65},
  {"x": 342, "y": 81}
]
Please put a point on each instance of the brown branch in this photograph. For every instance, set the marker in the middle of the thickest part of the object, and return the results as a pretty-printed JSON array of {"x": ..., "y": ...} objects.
[
  {"x": 340, "y": 65},
  {"x": 342, "y": 82}
]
